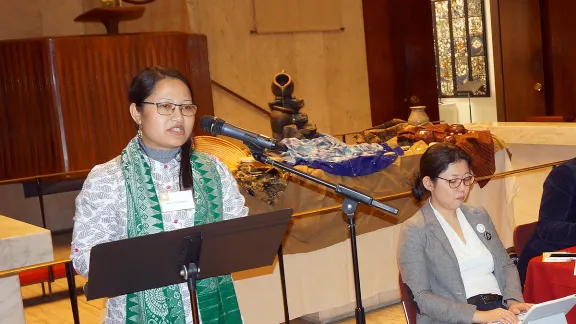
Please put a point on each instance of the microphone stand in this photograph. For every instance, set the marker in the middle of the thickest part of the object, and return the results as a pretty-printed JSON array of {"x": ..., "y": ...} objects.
[{"x": 351, "y": 200}]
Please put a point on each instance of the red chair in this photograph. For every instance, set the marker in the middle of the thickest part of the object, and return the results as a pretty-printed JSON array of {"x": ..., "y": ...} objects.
[
  {"x": 521, "y": 235},
  {"x": 408, "y": 303},
  {"x": 43, "y": 274},
  {"x": 34, "y": 276}
]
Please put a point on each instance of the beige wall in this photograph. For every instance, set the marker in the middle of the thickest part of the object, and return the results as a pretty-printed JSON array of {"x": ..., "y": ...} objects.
[
  {"x": 34, "y": 18},
  {"x": 161, "y": 15},
  {"x": 329, "y": 68}
]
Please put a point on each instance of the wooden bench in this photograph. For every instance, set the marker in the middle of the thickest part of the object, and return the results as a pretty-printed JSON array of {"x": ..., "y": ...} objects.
[{"x": 550, "y": 119}]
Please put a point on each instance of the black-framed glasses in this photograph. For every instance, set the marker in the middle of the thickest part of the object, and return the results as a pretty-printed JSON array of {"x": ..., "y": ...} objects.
[
  {"x": 167, "y": 108},
  {"x": 455, "y": 183}
]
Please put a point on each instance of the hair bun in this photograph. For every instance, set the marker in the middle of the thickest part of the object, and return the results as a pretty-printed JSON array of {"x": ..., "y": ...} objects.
[{"x": 418, "y": 189}]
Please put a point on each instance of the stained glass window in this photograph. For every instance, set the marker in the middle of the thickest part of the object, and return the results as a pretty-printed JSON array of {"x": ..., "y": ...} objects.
[{"x": 460, "y": 45}]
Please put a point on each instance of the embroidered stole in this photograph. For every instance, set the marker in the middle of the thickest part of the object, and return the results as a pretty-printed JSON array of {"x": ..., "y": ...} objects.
[{"x": 217, "y": 301}]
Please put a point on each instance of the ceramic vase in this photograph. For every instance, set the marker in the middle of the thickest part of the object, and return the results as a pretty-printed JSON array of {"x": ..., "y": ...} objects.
[{"x": 418, "y": 116}]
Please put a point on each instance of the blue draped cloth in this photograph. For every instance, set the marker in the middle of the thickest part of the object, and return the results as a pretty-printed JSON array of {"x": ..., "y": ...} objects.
[{"x": 336, "y": 157}]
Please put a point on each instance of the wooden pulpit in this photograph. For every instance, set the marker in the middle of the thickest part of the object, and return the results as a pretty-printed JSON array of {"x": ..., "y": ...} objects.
[{"x": 63, "y": 100}]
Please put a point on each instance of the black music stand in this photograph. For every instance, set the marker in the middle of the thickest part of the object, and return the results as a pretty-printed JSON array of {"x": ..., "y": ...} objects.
[{"x": 185, "y": 255}]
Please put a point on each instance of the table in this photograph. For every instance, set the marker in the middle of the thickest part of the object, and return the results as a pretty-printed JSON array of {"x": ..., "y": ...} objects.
[
  {"x": 550, "y": 280},
  {"x": 21, "y": 245}
]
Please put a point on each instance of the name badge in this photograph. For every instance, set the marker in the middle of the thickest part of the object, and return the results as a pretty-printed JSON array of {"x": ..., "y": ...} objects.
[
  {"x": 481, "y": 228},
  {"x": 178, "y": 200}
]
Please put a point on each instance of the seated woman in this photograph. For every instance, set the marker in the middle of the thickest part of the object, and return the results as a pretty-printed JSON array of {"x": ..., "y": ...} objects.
[
  {"x": 557, "y": 220},
  {"x": 450, "y": 255}
]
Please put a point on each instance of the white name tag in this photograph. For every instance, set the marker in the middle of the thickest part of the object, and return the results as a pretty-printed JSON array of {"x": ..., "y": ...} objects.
[{"x": 172, "y": 201}]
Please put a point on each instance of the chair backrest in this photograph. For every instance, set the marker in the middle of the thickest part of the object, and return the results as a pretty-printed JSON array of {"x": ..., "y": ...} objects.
[
  {"x": 408, "y": 303},
  {"x": 521, "y": 235}
]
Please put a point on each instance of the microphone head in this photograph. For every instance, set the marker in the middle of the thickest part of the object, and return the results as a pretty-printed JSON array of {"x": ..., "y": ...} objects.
[
  {"x": 281, "y": 147},
  {"x": 212, "y": 125},
  {"x": 206, "y": 123}
]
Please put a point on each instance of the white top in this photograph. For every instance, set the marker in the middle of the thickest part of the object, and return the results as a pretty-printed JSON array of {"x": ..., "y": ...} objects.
[
  {"x": 475, "y": 261},
  {"x": 101, "y": 216}
]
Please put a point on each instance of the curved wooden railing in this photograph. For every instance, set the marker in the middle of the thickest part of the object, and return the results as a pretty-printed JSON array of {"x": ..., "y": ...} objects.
[
  {"x": 300, "y": 214},
  {"x": 71, "y": 174},
  {"x": 408, "y": 193}
]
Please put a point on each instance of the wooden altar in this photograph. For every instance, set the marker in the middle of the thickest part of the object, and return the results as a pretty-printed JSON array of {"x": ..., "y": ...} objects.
[{"x": 64, "y": 106}]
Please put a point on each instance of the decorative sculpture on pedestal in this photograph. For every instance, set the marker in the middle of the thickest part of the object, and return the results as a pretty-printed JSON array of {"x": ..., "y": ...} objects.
[
  {"x": 138, "y": 2},
  {"x": 286, "y": 119},
  {"x": 112, "y": 13}
]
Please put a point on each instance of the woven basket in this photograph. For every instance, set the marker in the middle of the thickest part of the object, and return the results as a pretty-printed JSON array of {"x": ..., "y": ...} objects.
[{"x": 227, "y": 152}]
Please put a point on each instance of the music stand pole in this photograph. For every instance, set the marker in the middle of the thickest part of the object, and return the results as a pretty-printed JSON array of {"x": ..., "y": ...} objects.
[
  {"x": 349, "y": 208},
  {"x": 470, "y": 106},
  {"x": 192, "y": 250},
  {"x": 283, "y": 285},
  {"x": 352, "y": 198},
  {"x": 191, "y": 277}
]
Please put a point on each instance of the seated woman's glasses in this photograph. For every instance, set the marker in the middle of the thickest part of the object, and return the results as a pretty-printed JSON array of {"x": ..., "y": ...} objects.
[{"x": 455, "y": 183}]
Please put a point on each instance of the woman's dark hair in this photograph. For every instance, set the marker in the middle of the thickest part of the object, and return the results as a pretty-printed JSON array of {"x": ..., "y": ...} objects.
[
  {"x": 141, "y": 88},
  {"x": 434, "y": 161}
]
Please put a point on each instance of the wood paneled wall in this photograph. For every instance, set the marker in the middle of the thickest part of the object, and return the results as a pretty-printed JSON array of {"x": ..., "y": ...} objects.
[
  {"x": 520, "y": 56},
  {"x": 559, "y": 50},
  {"x": 30, "y": 142},
  {"x": 535, "y": 69},
  {"x": 386, "y": 60},
  {"x": 64, "y": 103},
  {"x": 400, "y": 58}
]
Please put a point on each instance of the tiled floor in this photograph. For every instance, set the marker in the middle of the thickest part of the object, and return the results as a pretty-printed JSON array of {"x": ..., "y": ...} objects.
[{"x": 39, "y": 310}]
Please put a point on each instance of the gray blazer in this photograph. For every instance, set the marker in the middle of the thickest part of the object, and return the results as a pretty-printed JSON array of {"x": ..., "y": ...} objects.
[{"x": 429, "y": 266}]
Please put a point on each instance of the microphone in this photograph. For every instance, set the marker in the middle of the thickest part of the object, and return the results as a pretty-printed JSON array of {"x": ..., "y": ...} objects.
[{"x": 217, "y": 126}]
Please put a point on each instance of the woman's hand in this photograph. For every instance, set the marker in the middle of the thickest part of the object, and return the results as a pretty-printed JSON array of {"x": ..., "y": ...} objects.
[
  {"x": 517, "y": 307},
  {"x": 494, "y": 316}
]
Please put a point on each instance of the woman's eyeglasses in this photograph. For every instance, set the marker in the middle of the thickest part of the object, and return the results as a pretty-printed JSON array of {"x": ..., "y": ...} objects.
[
  {"x": 167, "y": 108},
  {"x": 455, "y": 183}
]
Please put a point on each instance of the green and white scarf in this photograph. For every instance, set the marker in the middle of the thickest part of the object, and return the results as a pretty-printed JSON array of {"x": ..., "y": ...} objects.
[{"x": 217, "y": 301}]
